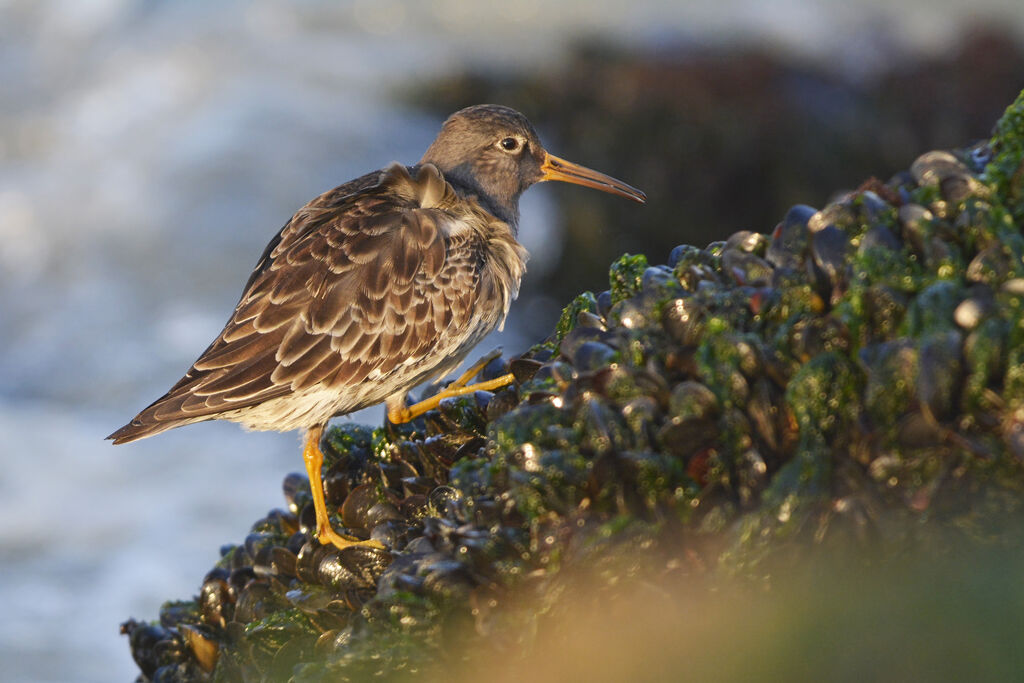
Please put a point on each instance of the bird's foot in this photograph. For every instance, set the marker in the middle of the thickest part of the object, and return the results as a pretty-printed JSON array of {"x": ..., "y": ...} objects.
[
  {"x": 398, "y": 415},
  {"x": 327, "y": 535}
]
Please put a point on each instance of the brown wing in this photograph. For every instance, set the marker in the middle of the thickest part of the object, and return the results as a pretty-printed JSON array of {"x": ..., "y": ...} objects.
[{"x": 354, "y": 285}]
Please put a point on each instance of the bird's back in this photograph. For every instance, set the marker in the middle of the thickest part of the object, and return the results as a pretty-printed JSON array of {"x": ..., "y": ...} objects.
[{"x": 368, "y": 290}]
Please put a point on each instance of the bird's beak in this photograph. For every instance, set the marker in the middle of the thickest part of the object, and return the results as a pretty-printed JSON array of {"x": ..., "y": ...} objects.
[{"x": 554, "y": 168}]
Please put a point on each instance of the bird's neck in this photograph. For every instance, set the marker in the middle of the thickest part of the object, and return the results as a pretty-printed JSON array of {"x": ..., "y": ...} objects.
[{"x": 502, "y": 207}]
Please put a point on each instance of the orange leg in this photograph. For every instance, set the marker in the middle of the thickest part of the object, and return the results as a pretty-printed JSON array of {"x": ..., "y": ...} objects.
[
  {"x": 314, "y": 463},
  {"x": 476, "y": 367},
  {"x": 399, "y": 413},
  {"x": 404, "y": 414}
]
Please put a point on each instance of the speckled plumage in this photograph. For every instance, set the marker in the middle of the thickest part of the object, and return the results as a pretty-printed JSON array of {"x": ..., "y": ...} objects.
[
  {"x": 376, "y": 285},
  {"x": 369, "y": 289},
  {"x": 372, "y": 288}
]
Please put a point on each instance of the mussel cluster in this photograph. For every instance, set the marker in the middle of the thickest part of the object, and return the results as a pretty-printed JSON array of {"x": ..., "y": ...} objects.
[{"x": 858, "y": 366}]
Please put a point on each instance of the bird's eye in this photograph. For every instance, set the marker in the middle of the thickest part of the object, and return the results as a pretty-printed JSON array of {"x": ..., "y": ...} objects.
[{"x": 509, "y": 144}]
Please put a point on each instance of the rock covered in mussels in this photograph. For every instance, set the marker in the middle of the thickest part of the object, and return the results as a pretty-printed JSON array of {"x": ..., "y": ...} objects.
[{"x": 850, "y": 374}]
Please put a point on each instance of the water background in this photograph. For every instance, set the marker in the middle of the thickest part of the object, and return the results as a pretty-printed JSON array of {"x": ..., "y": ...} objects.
[{"x": 148, "y": 151}]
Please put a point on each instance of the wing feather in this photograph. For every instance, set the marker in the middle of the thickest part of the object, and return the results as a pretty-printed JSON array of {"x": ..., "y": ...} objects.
[{"x": 354, "y": 286}]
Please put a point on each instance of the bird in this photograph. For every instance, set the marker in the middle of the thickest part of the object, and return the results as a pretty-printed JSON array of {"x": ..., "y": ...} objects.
[{"x": 372, "y": 288}]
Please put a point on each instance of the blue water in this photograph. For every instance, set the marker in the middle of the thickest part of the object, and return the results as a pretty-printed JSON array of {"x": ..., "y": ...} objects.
[{"x": 148, "y": 151}]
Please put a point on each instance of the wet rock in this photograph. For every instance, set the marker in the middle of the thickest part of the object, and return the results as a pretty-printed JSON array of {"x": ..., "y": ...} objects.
[
  {"x": 931, "y": 168},
  {"x": 940, "y": 374},
  {"x": 790, "y": 238},
  {"x": 857, "y": 368},
  {"x": 879, "y": 237},
  {"x": 829, "y": 248},
  {"x": 746, "y": 268}
]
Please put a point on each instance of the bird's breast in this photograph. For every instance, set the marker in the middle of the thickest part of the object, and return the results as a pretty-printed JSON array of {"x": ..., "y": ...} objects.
[{"x": 480, "y": 243}]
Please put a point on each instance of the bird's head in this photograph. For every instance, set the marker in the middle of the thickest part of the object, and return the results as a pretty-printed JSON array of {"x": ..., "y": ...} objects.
[{"x": 495, "y": 151}]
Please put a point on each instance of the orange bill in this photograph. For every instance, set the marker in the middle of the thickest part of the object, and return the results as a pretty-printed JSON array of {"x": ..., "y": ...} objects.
[{"x": 568, "y": 172}]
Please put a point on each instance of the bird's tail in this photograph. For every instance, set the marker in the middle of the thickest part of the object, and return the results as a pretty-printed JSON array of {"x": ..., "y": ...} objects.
[
  {"x": 134, "y": 430},
  {"x": 150, "y": 421}
]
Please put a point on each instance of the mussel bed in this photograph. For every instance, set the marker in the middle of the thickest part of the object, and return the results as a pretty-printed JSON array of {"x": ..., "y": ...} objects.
[{"x": 855, "y": 377}]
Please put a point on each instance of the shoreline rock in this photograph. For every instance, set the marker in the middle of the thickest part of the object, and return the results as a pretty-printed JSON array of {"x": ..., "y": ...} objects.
[{"x": 854, "y": 378}]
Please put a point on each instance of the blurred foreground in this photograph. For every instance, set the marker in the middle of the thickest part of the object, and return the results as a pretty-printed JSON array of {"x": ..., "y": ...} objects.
[{"x": 952, "y": 617}]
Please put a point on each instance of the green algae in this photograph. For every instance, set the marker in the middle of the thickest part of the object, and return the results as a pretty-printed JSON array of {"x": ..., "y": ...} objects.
[
  {"x": 626, "y": 276},
  {"x": 1006, "y": 169},
  {"x": 585, "y": 302}
]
